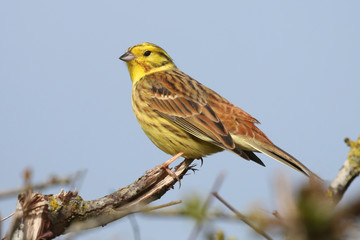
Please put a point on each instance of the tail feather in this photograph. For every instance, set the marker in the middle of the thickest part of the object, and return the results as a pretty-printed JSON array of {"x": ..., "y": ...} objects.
[
  {"x": 248, "y": 155},
  {"x": 272, "y": 151},
  {"x": 254, "y": 158},
  {"x": 280, "y": 155},
  {"x": 289, "y": 160}
]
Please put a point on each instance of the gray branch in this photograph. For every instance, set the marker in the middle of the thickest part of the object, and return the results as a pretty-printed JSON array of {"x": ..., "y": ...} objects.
[
  {"x": 48, "y": 216},
  {"x": 348, "y": 172}
]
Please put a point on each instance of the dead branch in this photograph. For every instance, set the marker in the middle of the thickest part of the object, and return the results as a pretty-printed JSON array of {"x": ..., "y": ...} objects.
[
  {"x": 242, "y": 217},
  {"x": 52, "y": 181},
  {"x": 48, "y": 216}
]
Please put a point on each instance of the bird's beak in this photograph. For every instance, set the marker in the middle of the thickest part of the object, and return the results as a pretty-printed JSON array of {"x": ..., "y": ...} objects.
[{"x": 127, "y": 56}]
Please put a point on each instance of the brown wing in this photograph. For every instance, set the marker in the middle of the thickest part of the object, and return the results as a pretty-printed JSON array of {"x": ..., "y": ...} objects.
[
  {"x": 192, "y": 114},
  {"x": 236, "y": 120},
  {"x": 178, "y": 98},
  {"x": 249, "y": 138}
]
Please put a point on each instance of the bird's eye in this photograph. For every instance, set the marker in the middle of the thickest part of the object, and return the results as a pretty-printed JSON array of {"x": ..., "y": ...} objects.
[{"x": 147, "y": 53}]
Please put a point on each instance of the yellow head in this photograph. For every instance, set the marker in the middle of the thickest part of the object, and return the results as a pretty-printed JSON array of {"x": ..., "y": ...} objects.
[{"x": 146, "y": 58}]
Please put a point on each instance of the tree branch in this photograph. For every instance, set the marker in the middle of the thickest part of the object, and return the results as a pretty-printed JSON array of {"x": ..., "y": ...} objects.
[
  {"x": 40, "y": 216},
  {"x": 52, "y": 181},
  {"x": 348, "y": 172},
  {"x": 48, "y": 216}
]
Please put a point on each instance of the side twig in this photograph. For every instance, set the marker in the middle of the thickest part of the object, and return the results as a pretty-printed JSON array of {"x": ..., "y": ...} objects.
[
  {"x": 242, "y": 217},
  {"x": 52, "y": 181}
]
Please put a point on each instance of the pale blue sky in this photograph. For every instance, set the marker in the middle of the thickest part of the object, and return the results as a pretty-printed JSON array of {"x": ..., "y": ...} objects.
[{"x": 65, "y": 95}]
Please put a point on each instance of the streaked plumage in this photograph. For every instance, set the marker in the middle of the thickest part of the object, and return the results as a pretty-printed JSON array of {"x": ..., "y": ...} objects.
[{"x": 179, "y": 114}]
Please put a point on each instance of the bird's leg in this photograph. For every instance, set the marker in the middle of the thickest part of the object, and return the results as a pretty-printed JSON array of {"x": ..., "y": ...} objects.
[
  {"x": 171, "y": 160},
  {"x": 166, "y": 164}
]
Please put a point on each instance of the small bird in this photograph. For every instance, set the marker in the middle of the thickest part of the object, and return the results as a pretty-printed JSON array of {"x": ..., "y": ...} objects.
[{"x": 179, "y": 114}]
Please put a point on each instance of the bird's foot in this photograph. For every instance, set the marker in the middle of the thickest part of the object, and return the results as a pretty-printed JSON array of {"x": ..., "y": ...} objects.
[{"x": 166, "y": 167}]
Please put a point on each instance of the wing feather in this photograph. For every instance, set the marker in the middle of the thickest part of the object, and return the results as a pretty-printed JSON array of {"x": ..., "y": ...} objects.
[{"x": 191, "y": 113}]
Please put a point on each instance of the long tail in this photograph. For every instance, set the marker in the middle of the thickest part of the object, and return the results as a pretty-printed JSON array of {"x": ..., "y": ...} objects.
[{"x": 280, "y": 155}]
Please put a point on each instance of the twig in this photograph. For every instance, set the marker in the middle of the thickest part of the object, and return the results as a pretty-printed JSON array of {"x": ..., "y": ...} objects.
[
  {"x": 52, "y": 181},
  {"x": 242, "y": 217},
  {"x": 135, "y": 227},
  {"x": 5, "y": 218},
  {"x": 215, "y": 188},
  {"x": 213, "y": 215},
  {"x": 148, "y": 209}
]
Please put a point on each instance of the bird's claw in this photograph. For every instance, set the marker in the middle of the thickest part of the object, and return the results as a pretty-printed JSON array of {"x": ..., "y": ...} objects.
[{"x": 166, "y": 167}]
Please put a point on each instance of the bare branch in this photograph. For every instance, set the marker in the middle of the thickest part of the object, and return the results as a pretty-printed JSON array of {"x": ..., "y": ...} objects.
[
  {"x": 40, "y": 216},
  {"x": 149, "y": 209},
  {"x": 215, "y": 188},
  {"x": 242, "y": 217},
  {"x": 52, "y": 181},
  {"x": 349, "y": 171},
  {"x": 48, "y": 216}
]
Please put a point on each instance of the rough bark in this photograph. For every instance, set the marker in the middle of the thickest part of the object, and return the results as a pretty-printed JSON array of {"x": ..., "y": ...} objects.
[{"x": 48, "y": 216}]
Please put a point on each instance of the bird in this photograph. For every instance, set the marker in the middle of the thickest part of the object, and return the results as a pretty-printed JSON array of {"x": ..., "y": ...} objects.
[{"x": 179, "y": 114}]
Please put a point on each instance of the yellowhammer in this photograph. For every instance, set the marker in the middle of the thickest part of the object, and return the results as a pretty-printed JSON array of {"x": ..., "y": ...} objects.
[{"x": 179, "y": 114}]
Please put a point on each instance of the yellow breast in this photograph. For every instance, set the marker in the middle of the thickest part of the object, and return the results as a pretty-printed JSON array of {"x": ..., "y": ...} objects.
[{"x": 165, "y": 135}]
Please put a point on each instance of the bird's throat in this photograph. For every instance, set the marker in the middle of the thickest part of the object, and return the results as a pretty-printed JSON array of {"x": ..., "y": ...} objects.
[{"x": 139, "y": 70}]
